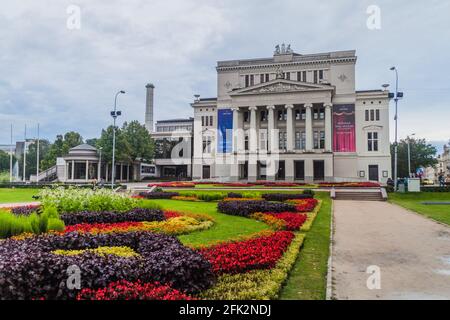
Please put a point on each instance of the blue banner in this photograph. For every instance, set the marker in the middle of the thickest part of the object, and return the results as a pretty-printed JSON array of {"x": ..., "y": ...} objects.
[{"x": 225, "y": 129}]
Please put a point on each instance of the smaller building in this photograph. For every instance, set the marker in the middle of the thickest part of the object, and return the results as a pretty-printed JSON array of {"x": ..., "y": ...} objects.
[
  {"x": 173, "y": 148},
  {"x": 443, "y": 166},
  {"x": 84, "y": 164}
]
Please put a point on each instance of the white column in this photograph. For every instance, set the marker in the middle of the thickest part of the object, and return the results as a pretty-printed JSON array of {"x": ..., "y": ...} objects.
[
  {"x": 290, "y": 134},
  {"x": 328, "y": 125},
  {"x": 308, "y": 128},
  {"x": 87, "y": 170},
  {"x": 237, "y": 130},
  {"x": 73, "y": 170},
  {"x": 253, "y": 134},
  {"x": 271, "y": 134}
]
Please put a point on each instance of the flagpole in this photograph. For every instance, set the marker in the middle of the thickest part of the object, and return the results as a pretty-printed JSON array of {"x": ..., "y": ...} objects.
[
  {"x": 11, "y": 156},
  {"x": 25, "y": 155},
  {"x": 37, "y": 156}
]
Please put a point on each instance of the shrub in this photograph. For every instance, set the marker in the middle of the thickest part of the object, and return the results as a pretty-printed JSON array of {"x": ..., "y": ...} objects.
[
  {"x": 76, "y": 199},
  {"x": 25, "y": 210},
  {"x": 285, "y": 196},
  {"x": 185, "y": 198},
  {"x": 435, "y": 189},
  {"x": 134, "y": 215},
  {"x": 245, "y": 208},
  {"x": 309, "y": 191},
  {"x": 161, "y": 258},
  {"x": 158, "y": 195},
  {"x": 242, "y": 256},
  {"x": 234, "y": 195},
  {"x": 125, "y": 290},
  {"x": 13, "y": 225}
]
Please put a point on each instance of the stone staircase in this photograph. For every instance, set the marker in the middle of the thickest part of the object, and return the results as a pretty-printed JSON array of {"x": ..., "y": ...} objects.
[{"x": 360, "y": 194}]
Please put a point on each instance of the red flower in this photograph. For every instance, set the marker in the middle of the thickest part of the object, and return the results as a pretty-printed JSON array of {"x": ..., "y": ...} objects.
[
  {"x": 293, "y": 220},
  {"x": 171, "y": 214},
  {"x": 242, "y": 256},
  {"x": 101, "y": 227},
  {"x": 125, "y": 290},
  {"x": 304, "y": 205}
]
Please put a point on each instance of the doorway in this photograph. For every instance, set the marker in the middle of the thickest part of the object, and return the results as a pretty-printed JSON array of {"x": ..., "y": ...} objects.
[
  {"x": 206, "y": 172},
  {"x": 319, "y": 170},
  {"x": 373, "y": 172}
]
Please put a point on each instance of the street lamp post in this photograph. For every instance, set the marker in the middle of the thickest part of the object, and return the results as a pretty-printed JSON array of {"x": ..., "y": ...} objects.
[
  {"x": 409, "y": 154},
  {"x": 114, "y": 114},
  {"x": 396, "y": 97}
]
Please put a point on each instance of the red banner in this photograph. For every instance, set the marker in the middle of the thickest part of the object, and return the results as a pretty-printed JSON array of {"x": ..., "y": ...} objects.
[{"x": 344, "y": 128}]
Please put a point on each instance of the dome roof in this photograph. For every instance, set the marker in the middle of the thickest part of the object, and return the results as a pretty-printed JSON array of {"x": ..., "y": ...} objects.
[{"x": 83, "y": 147}]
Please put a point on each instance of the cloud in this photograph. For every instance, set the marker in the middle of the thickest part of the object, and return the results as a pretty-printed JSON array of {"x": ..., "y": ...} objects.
[{"x": 66, "y": 79}]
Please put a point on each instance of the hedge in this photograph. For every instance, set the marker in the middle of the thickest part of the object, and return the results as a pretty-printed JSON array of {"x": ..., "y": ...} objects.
[{"x": 285, "y": 196}]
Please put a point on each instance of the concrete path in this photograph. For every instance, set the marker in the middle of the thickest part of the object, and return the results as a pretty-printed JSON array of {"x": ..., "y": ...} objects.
[
  {"x": 412, "y": 253},
  {"x": 12, "y": 205}
]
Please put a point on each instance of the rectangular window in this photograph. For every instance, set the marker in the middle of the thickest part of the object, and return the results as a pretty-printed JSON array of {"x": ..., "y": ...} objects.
[
  {"x": 377, "y": 114},
  {"x": 315, "y": 76},
  {"x": 304, "y": 76},
  {"x": 246, "y": 147},
  {"x": 297, "y": 114},
  {"x": 372, "y": 115},
  {"x": 203, "y": 121},
  {"x": 261, "y": 78},
  {"x": 246, "y": 116},
  {"x": 263, "y": 140},
  {"x": 206, "y": 144},
  {"x": 247, "y": 80},
  {"x": 211, "y": 121},
  {"x": 298, "y": 140},
  {"x": 322, "y": 113},
  {"x": 322, "y": 140},
  {"x": 303, "y": 114},
  {"x": 315, "y": 113},
  {"x": 367, "y": 115},
  {"x": 288, "y": 76},
  {"x": 282, "y": 115},
  {"x": 252, "y": 80},
  {"x": 263, "y": 115},
  {"x": 316, "y": 139},
  {"x": 299, "y": 76},
  {"x": 372, "y": 141},
  {"x": 320, "y": 74},
  {"x": 267, "y": 77},
  {"x": 282, "y": 140}
]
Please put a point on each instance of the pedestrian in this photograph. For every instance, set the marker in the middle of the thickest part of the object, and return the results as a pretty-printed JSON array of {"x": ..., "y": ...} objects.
[{"x": 441, "y": 180}]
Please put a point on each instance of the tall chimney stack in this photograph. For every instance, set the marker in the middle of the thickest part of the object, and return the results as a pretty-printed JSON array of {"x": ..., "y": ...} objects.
[{"x": 149, "y": 107}]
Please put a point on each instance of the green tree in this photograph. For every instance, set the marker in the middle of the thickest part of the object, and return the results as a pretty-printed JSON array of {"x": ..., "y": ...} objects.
[
  {"x": 122, "y": 146},
  {"x": 4, "y": 161},
  {"x": 44, "y": 146},
  {"x": 422, "y": 155},
  {"x": 139, "y": 140},
  {"x": 60, "y": 148}
]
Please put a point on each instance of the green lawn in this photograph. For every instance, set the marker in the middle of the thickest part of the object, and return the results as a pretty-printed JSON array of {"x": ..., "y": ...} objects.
[
  {"x": 307, "y": 280},
  {"x": 412, "y": 201},
  {"x": 226, "y": 227},
  {"x": 9, "y": 195}
]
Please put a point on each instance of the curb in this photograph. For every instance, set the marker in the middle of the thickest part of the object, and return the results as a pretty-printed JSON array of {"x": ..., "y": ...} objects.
[{"x": 329, "y": 289}]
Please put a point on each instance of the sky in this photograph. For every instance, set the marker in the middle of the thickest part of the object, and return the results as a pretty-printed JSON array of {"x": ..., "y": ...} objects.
[{"x": 61, "y": 62}]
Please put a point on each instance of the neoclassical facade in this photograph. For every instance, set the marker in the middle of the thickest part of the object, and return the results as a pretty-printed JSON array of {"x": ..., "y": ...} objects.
[{"x": 292, "y": 117}]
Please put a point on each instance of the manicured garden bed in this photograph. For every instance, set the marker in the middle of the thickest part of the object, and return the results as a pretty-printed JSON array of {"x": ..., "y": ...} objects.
[{"x": 178, "y": 248}]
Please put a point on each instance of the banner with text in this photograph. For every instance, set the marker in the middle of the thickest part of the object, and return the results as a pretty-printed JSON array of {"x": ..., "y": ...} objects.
[
  {"x": 344, "y": 128},
  {"x": 225, "y": 130}
]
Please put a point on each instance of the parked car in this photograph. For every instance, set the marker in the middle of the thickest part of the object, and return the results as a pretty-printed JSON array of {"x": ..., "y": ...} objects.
[{"x": 428, "y": 182}]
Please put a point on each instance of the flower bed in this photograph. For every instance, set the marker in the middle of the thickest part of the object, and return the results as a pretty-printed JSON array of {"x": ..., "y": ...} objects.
[
  {"x": 282, "y": 221},
  {"x": 126, "y": 290},
  {"x": 175, "y": 184},
  {"x": 242, "y": 256},
  {"x": 134, "y": 215},
  {"x": 158, "y": 195},
  {"x": 161, "y": 258},
  {"x": 25, "y": 210},
  {"x": 246, "y": 208},
  {"x": 256, "y": 284},
  {"x": 285, "y": 196},
  {"x": 305, "y": 205},
  {"x": 366, "y": 184}
]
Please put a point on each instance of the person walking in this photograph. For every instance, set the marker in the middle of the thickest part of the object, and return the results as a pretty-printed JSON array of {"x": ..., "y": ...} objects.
[{"x": 441, "y": 180}]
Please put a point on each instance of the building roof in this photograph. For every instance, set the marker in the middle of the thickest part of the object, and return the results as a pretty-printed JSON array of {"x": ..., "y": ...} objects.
[
  {"x": 83, "y": 147},
  {"x": 190, "y": 119}
]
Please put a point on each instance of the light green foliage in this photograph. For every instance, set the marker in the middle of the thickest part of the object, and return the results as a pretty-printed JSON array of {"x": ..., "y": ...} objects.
[
  {"x": 124, "y": 252},
  {"x": 75, "y": 200}
]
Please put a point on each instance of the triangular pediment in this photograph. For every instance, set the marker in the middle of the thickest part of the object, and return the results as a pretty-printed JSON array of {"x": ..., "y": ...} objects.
[{"x": 282, "y": 86}]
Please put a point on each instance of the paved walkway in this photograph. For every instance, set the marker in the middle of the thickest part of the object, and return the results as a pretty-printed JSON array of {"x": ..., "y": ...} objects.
[
  {"x": 12, "y": 205},
  {"x": 412, "y": 252}
]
